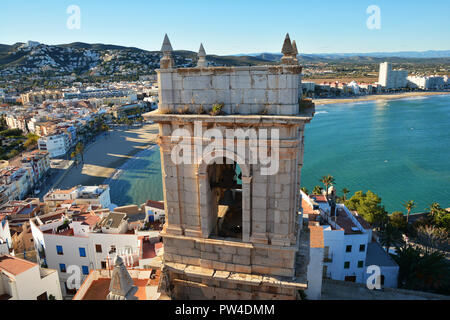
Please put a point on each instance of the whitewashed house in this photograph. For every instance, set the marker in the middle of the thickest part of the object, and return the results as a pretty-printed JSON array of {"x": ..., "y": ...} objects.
[
  {"x": 5, "y": 235},
  {"x": 56, "y": 145},
  {"x": 347, "y": 239},
  {"x": 92, "y": 195},
  {"x": 154, "y": 210},
  {"x": 86, "y": 242},
  {"x": 24, "y": 280}
]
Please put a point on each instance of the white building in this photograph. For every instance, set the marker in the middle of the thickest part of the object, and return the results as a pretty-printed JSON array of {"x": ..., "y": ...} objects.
[
  {"x": 392, "y": 79},
  {"x": 92, "y": 195},
  {"x": 388, "y": 267},
  {"x": 56, "y": 145},
  {"x": 5, "y": 236},
  {"x": 308, "y": 86},
  {"x": 15, "y": 183},
  {"x": 427, "y": 82},
  {"x": 24, "y": 280},
  {"x": 347, "y": 237},
  {"x": 154, "y": 210},
  {"x": 354, "y": 87},
  {"x": 88, "y": 241}
]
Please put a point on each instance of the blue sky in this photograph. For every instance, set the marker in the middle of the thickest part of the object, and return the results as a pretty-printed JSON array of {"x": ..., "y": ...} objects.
[{"x": 233, "y": 26}]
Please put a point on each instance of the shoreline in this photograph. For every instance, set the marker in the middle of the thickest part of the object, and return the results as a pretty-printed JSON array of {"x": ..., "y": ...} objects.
[
  {"x": 108, "y": 154},
  {"x": 119, "y": 170},
  {"x": 377, "y": 97}
]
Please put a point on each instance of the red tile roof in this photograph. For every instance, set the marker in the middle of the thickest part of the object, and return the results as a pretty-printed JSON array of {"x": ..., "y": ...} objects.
[
  {"x": 89, "y": 218},
  {"x": 99, "y": 289},
  {"x": 155, "y": 204},
  {"x": 307, "y": 208},
  {"x": 363, "y": 222},
  {"x": 15, "y": 265},
  {"x": 344, "y": 221},
  {"x": 319, "y": 198},
  {"x": 316, "y": 237},
  {"x": 148, "y": 250}
]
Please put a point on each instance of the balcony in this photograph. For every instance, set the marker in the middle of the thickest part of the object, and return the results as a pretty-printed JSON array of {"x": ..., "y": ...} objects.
[{"x": 328, "y": 258}]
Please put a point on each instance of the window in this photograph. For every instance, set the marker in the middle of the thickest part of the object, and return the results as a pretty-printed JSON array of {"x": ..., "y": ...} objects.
[
  {"x": 42, "y": 296},
  {"x": 348, "y": 249},
  {"x": 103, "y": 264},
  {"x": 98, "y": 248},
  {"x": 362, "y": 248},
  {"x": 360, "y": 264},
  {"x": 62, "y": 267},
  {"x": 112, "y": 249},
  {"x": 346, "y": 264},
  {"x": 70, "y": 291},
  {"x": 82, "y": 252},
  {"x": 85, "y": 269},
  {"x": 59, "y": 250},
  {"x": 350, "y": 278}
]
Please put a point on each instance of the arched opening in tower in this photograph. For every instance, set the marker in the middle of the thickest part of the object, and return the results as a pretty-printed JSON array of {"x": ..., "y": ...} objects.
[{"x": 225, "y": 198}]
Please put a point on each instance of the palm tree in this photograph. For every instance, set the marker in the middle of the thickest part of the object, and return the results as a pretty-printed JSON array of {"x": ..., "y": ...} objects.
[
  {"x": 73, "y": 155},
  {"x": 345, "y": 191},
  {"x": 422, "y": 271},
  {"x": 317, "y": 190},
  {"x": 79, "y": 149},
  {"x": 434, "y": 208},
  {"x": 305, "y": 190},
  {"x": 409, "y": 205},
  {"x": 391, "y": 237},
  {"x": 327, "y": 180}
]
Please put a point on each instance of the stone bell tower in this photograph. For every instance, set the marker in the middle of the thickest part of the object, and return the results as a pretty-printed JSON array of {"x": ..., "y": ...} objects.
[{"x": 233, "y": 228}]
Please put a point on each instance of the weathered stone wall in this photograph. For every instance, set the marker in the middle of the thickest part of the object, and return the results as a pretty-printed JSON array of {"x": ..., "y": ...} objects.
[
  {"x": 197, "y": 288},
  {"x": 270, "y": 202},
  {"x": 263, "y": 264},
  {"x": 242, "y": 90},
  {"x": 230, "y": 255}
]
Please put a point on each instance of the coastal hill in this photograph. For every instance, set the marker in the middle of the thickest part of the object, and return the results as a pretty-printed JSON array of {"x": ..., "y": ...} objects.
[{"x": 34, "y": 58}]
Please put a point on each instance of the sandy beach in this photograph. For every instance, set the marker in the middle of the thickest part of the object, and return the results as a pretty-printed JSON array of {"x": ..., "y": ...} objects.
[
  {"x": 392, "y": 96},
  {"x": 107, "y": 153}
]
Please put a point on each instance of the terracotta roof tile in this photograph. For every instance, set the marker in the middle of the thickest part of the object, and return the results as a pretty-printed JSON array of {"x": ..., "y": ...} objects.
[
  {"x": 155, "y": 204},
  {"x": 15, "y": 265},
  {"x": 316, "y": 237}
]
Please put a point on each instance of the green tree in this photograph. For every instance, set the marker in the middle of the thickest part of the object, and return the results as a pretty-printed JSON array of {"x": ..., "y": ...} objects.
[
  {"x": 31, "y": 141},
  {"x": 368, "y": 205},
  {"x": 305, "y": 190},
  {"x": 434, "y": 208},
  {"x": 442, "y": 219},
  {"x": 327, "y": 181},
  {"x": 397, "y": 219},
  {"x": 74, "y": 156},
  {"x": 3, "y": 125},
  {"x": 409, "y": 205},
  {"x": 345, "y": 191},
  {"x": 422, "y": 271},
  {"x": 79, "y": 149},
  {"x": 317, "y": 190},
  {"x": 390, "y": 236},
  {"x": 104, "y": 127}
]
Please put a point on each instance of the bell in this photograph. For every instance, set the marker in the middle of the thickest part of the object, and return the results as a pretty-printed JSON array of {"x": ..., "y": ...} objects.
[{"x": 227, "y": 199}]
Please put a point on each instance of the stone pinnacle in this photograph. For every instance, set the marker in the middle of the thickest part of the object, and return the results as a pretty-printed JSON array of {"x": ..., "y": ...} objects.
[
  {"x": 166, "y": 46},
  {"x": 287, "y": 46}
]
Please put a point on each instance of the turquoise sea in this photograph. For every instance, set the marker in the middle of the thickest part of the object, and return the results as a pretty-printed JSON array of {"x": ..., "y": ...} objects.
[{"x": 399, "y": 149}]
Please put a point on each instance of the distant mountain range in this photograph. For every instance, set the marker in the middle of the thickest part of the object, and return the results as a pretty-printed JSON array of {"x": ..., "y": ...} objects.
[
  {"x": 399, "y": 54},
  {"x": 105, "y": 59}
]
